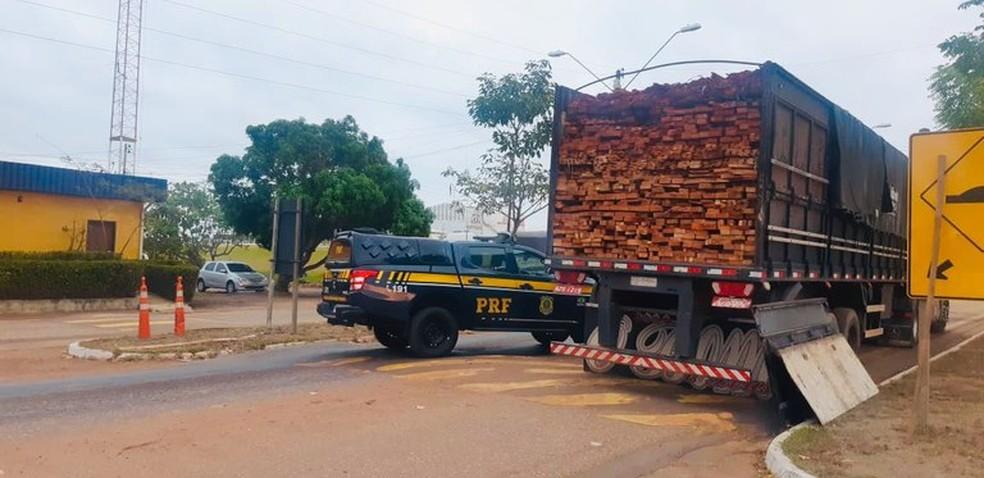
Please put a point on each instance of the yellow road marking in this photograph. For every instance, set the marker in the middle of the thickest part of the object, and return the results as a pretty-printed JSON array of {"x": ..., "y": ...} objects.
[
  {"x": 94, "y": 321},
  {"x": 714, "y": 422},
  {"x": 333, "y": 363},
  {"x": 510, "y": 386},
  {"x": 701, "y": 399},
  {"x": 131, "y": 324},
  {"x": 483, "y": 360},
  {"x": 557, "y": 371},
  {"x": 585, "y": 399},
  {"x": 445, "y": 374}
]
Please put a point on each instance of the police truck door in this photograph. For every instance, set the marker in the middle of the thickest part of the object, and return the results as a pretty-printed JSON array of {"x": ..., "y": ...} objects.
[{"x": 489, "y": 296}]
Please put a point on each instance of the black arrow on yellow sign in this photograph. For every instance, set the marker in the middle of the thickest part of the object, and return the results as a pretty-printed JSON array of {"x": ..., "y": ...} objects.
[{"x": 941, "y": 269}]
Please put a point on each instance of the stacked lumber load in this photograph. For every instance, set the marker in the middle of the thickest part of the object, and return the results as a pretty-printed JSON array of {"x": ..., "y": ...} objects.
[{"x": 666, "y": 174}]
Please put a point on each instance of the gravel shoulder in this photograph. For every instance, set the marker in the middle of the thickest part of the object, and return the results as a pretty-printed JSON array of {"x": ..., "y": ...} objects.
[{"x": 875, "y": 440}]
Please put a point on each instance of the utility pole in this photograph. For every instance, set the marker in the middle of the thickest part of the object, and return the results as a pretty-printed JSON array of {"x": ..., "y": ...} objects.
[{"x": 126, "y": 88}]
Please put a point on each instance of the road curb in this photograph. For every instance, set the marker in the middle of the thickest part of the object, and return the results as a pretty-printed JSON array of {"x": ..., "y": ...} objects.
[
  {"x": 776, "y": 460},
  {"x": 85, "y": 353},
  {"x": 781, "y": 466}
]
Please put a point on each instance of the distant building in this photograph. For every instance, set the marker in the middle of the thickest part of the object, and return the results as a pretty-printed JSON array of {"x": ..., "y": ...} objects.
[
  {"x": 43, "y": 208},
  {"x": 459, "y": 222}
]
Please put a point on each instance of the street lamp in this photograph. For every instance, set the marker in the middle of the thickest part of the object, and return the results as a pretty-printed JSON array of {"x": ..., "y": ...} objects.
[
  {"x": 690, "y": 27},
  {"x": 560, "y": 53}
]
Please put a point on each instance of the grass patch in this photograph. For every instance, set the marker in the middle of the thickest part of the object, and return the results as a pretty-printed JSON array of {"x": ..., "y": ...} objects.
[
  {"x": 229, "y": 340},
  {"x": 259, "y": 258},
  {"x": 807, "y": 441}
]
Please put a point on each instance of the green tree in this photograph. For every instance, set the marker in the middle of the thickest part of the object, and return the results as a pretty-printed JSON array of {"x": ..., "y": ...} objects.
[
  {"x": 958, "y": 86},
  {"x": 511, "y": 179},
  {"x": 343, "y": 175},
  {"x": 187, "y": 227}
]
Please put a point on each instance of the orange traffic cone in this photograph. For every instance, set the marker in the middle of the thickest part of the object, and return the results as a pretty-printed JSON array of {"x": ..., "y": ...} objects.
[
  {"x": 179, "y": 309},
  {"x": 143, "y": 331}
]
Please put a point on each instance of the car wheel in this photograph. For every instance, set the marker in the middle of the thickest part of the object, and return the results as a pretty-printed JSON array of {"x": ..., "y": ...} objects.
[
  {"x": 546, "y": 337},
  {"x": 433, "y": 332},
  {"x": 230, "y": 287},
  {"x": 390, "y": 337},
  {"x": 201, "y": 285}
]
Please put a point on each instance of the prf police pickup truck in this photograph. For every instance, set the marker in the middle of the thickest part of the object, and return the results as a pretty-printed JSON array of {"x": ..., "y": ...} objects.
[{"x": 418, "y": 293}]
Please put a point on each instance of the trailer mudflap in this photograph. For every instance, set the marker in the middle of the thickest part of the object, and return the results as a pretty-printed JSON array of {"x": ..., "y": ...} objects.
[{"x": 816, "y": 356}]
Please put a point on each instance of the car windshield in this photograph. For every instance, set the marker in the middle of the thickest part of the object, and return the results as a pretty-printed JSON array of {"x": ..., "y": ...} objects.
[{"x": 238, "y": 267}]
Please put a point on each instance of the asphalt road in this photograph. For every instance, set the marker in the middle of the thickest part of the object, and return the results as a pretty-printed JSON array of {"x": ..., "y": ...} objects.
[{"x": 498, "y": 407}]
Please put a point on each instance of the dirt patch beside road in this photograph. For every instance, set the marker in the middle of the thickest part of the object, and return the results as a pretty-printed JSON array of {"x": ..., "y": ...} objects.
[
  {"x": 874, "y": 439},
  {"x": 229, "y": 340},
  {"x": 43, "y": 363}
]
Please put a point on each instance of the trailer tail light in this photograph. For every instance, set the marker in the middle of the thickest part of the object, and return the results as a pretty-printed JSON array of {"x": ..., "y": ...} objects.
[
  {"x": 358, "y": 277},
  {"x": 732, "y": 295},
  {"x": 733, "y": 289},
  {"x": 570, "y": 277}
]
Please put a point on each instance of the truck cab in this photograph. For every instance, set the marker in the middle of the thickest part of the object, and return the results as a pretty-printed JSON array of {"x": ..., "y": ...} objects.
[{"x": 418, "y": 293}]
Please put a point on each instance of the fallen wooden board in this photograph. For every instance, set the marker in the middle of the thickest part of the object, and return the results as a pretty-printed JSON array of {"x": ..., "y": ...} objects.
[{"x": 829, "y": 375}]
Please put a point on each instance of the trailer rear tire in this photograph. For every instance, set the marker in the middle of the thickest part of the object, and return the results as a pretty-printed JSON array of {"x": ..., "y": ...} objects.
[
  {"x": 849, "y": 325},
  {"x": 942, "y": 317},
  {"x": 433, "y": 333}
]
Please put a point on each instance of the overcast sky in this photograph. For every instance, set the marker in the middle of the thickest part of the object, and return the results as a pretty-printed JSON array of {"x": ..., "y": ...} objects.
[{"x": 405, "y": 69}]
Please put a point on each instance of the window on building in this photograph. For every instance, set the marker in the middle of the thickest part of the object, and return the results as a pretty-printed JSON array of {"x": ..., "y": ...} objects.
[{"x": 100, "y": 236}]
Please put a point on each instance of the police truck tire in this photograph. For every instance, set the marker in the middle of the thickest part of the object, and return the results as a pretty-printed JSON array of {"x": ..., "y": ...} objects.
[
  {"x": 850, "y": 326},
  {"x": 390, "y": 337},
  {"x": 546, "y": 337},
  {"x": 433, "y": 333}
]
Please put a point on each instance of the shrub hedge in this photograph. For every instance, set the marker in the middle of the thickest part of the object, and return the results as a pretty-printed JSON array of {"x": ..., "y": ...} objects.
[
  {"x": 51, "y": 277},
  {"x": 161, "y": 279}
]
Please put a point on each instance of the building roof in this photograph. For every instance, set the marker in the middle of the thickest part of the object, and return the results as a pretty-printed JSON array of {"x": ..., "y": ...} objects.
[{"x": 71, "y": 182}]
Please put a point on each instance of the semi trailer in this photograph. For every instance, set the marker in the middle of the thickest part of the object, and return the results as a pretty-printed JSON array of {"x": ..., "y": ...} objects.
[{"x": 745, "y": 233}]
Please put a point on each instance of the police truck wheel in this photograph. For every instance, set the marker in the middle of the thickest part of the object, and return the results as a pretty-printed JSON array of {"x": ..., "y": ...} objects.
[
  {"x": 389, "y": 337},
  {"x": 546, "y": 337},
  {"x": 230, "y": 287},
  {"x": 849, "y": 325},
  {"x": 201, "y": 285},
  {"x": 433, "y": 332}
]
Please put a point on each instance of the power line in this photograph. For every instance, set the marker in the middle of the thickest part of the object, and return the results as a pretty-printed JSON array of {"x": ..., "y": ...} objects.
[
  {"x": 250, "y": 51},
  {"x": 444, "y": 150},
  {"x": 399, "y": 34},
  {"x": 451, "y": 27},
  {"x": 239, "y": 75},
  {"x": 318, "y": 39}
]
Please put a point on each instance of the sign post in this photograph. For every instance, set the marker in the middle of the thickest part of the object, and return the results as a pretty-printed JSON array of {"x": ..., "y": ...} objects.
[
  {"x": 273, "y": 263},
  {"x": 946, "y": 202}
]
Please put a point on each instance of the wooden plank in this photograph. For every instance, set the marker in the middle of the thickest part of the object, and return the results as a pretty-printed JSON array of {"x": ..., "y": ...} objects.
[{"x": 829, "y": 375}]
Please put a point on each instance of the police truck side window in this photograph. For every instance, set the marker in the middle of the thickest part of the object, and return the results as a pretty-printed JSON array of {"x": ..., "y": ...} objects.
[
  {"x": 530, "y": 264},
  {"x": 490, "y": 258}
]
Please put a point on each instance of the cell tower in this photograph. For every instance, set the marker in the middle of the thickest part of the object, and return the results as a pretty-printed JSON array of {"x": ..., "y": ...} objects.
[{"x": 126, "y": 89}]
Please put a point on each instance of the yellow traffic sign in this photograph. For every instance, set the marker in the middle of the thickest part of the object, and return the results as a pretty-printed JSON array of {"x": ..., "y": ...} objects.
[{"x": 960, "y": 271}]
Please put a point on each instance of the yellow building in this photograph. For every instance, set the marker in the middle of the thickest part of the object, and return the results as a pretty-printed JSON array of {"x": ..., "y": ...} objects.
[{"x": 56, "y": 209}]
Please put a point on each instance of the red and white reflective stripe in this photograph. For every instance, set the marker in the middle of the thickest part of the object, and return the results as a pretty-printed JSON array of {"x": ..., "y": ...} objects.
[
  {"x": 756, "y": 274},
  {"x": 814, "y": 275},
  {"x": 621, "y": 265},
  {"x": 621, "y": 358},
  {"x": 778, "y": 274},
  {"x": 797, "y": 274}
]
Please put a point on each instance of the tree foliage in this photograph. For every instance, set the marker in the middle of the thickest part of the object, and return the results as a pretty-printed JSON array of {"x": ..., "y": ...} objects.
[
  {"x": 188, "y": 226},
  {"x": 958, "y": 86},
  {"x": 343, "y": 175},
  {"x": 511, "y": 180}
]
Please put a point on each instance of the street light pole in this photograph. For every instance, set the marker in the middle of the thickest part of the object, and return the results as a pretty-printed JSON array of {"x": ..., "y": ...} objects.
[
  {"x": 684, "y": 29},
  {"x": 560, "y": 53}
]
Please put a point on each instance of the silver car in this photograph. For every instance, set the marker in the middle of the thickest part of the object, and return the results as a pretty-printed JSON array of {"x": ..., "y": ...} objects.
[{"x": 231, "y": 276}]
